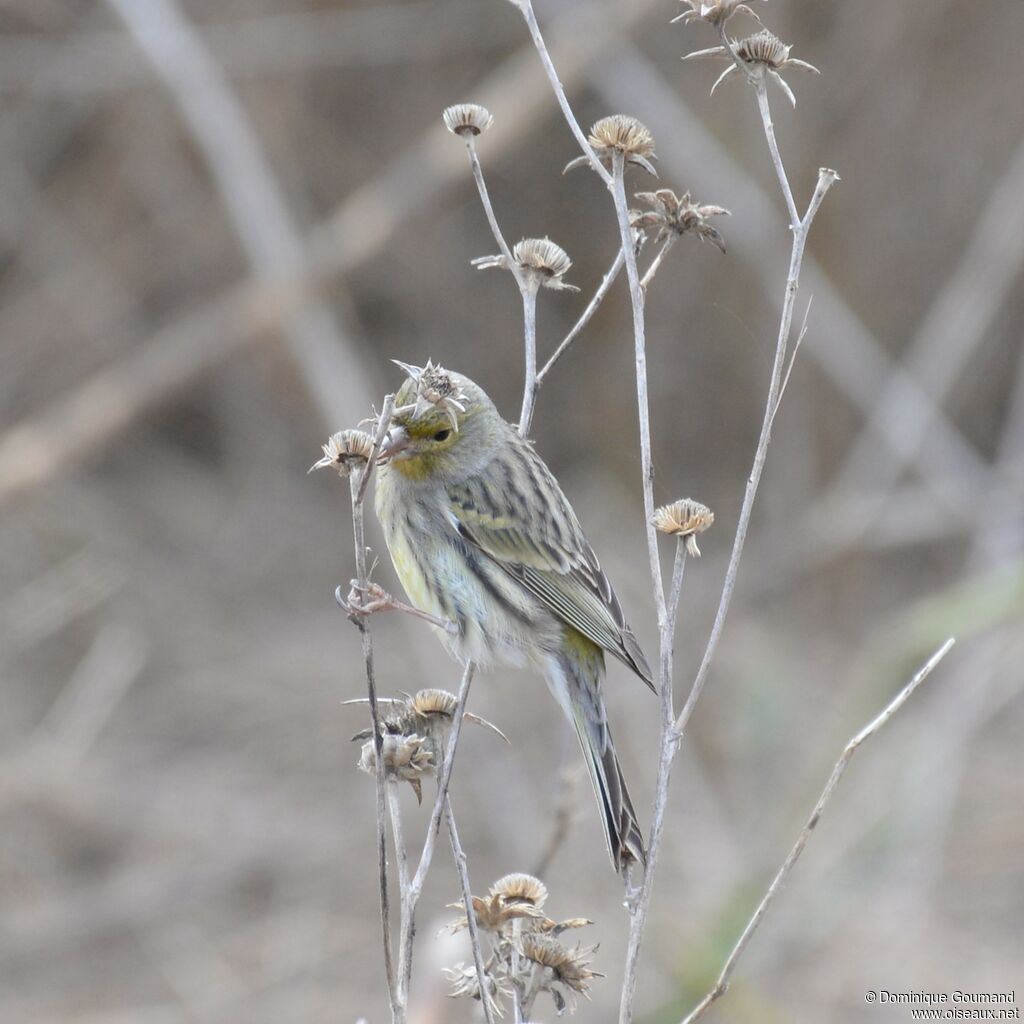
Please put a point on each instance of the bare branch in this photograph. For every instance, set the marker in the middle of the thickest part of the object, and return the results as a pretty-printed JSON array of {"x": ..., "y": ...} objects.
[
  {"x": 461, "y": 865},
  {"x": 722, "y": 985},
  {"x": 358, "y": 484},
  {"x": 526, "y": 6},
  {"x": 602, "y": 290},
  {"x": 826, "y": 178}
]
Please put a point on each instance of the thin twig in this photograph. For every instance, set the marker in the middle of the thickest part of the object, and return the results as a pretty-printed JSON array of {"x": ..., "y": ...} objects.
[
  {"x": 526, "y": 6},
  {"x": 358, "y": 484},
  {"x": 826, "y": 178},
  {"x": 492, "y": 220},
  {"x": 602, "y": 290},
  {"x": 667, "y": 752},
  {"x": 530, "y": 350},
  {"x": 636, "y": 294},
  {"x": 792, "y": 360},
  {"x": 461, "y": 865},
  {"x": 761, "y": 91},
  {"x": 722, "y": 985},
  {"x": 402, "y": 860},
  {"x": 656, "y": 262},
  {"x": 415, "y": 887}
]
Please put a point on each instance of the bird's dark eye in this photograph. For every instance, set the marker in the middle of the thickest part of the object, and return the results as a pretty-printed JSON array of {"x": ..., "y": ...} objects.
[{"x": 442, "y": 435}]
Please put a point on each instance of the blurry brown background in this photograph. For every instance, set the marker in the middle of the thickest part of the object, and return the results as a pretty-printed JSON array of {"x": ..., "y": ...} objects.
[{"x": 183, "y": 833}]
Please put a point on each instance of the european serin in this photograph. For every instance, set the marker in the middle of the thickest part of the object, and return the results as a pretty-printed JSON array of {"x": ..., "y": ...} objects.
[{"x": 480, "y": 533}]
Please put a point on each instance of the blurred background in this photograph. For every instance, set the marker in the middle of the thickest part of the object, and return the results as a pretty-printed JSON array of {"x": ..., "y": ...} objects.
[{"x": 219, "y": 222}]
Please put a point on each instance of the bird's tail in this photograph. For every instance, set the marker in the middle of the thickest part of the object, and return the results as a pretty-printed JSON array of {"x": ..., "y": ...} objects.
[{"x": 581, "y": 673}]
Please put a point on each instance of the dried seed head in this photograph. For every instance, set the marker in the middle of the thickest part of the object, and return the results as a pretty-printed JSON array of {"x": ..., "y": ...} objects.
[
  {"x": 684, "y": 519},
  {"x": 677, "y": 214},
  {"x": 619, "y": 133},
  {"x": 345, "y": 450},
  {"x": 623, "y": 133},
  {"x": 542, "y": 262},
  {"x": 426, "y": 715},
  {"x": 761, "y": 54},
  {"x": 520, "y": 888},
  {"x": 467, "y": 119},
  {"x": 464, "y": 982},
  {"x": 405, "y": 757},
  {"x": 494, "y": 913},
  {"x": 716, "y": 12},
  {"x": 569, "y": 967},
  {"x": 430, "y": 385},
  {"x": 763, "y": 48},
  {"x": 433, "y": 702}
]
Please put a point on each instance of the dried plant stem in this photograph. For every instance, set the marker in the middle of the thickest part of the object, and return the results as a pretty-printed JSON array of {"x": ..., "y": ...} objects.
[
  {"x": 636, "y": 293},
  {"x": 602, "y": 289},
  {"x": 527, "y": 289},
  {"x": 826, "y": 178},
  {"x": 405, "y": 934},
  {"x": 656, "y": 262},
  {"x": 526, "y": 7},
  {"x": 358, "y": 484},
  {"x": 761, "y": 91},
  {"x": 414, "y": 887},
  {"x": 492, "y": 220},
  {"x": 461, "y": 865},
  {"x": 722, "y": 985},
  {"x": 530, "y": 349},
  {"x": 668, "y": 747}
]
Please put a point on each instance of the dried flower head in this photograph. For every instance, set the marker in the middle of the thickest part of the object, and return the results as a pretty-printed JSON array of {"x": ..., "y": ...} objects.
[
  {"x": 561, "y": 966},
  {"x": 541, "y": 262},
  {"x": 619, "y": 133},
  {"x": 464, "y": 982},
  {"x": 761, "y": 54},
  {"x": 464, "y": 119},
  {"x": 427, "y": 713},
  {"x": 520, "y": 888},
  {"x": 405, "y": 757},
  {"x": 549, "y": 927},
  {"x": 434, "y": 385},
  {"x": 493, "y": 913},
  {"x": 684, "y": 519},
  {"x": 345, "y": 450},
  {"x": 672, "y": 214},
  {"x": 716, "y": 12}
]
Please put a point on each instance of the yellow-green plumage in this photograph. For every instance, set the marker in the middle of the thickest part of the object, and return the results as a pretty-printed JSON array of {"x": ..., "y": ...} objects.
[{"x": 480, "y": 533}]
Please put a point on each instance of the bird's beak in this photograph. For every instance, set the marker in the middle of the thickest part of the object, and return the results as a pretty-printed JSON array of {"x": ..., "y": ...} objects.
[{"x": 396, "y": 440}]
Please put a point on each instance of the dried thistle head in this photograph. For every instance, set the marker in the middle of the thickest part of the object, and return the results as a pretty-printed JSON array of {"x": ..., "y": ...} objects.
[
  {"x": 464, "y": 982},
  {"x": 408, "y": 758},
  {"x": 619, "y": 133},
  {"x": 520, "y": 888},
  {"x": 672, "y": 214},
  {"x": 425, "y": 716},
  {"x": 549, "y": 927},
  {"x": 430, "y": 393},
  {"x": 762, "y": 54},
  {"x": 467, "y": 119},
  {"x": 715, "y": 12},
  {"x": 541, "y": 261},
  {"x": 684, "y": 519},
  {"x": 494, "y": 913},
  {"x": 345, "y": 450},
  {"x": 561, "y": 966}
]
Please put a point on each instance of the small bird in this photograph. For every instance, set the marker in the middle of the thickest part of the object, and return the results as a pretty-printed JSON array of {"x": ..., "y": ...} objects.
[{"x": 481, "y": 535}]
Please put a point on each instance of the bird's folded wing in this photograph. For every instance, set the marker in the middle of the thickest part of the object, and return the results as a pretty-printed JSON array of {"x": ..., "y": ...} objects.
[{"x": 533, "y": 534}]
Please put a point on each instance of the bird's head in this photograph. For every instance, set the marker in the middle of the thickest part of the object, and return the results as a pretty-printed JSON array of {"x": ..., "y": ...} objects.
[{"x": 443, "y": 425}]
